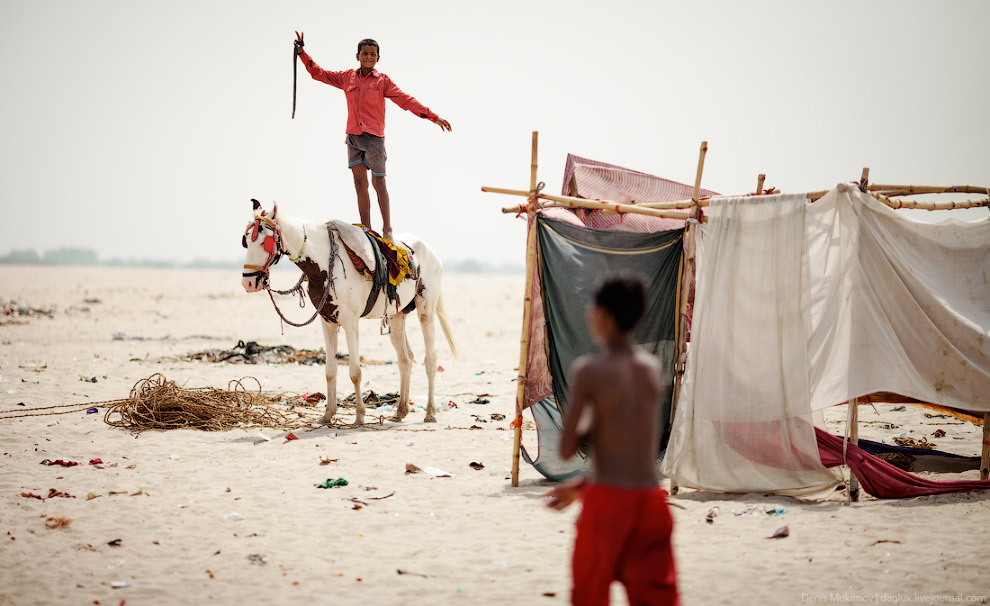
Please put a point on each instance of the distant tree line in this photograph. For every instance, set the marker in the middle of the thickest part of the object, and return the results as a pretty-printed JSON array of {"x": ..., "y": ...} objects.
[{"x": 85, "y": 256}]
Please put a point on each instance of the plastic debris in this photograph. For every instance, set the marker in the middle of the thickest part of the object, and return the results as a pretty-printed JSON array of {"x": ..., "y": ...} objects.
[
  {"x": 327, "y": 461},
  {"x": 96, "y": 461},
  {"x": 258, "y": 558},
  {"x": 62, "y": 463},
  {"x": 120, "y": 584},
  {"x": 410, "y": 468},
  {"x": 264, "y": 437},
  {"x": 291, "y": 436},
  {"x": 234, "y": 516},
  {"x": 759, "y": 511},
  {"x": 437, "y": 473},
  {"x": 711, "y": 515},
  {"x": 328, "y": 483},
  {"x": 53, "y": 523},
  {"x": 476, "y": 465},
  {"x": 92, "y": 410},
  {"x": 781, "y": 533},
  {"x": 480, "y": 400},
  {"x": 497, "y": 416}
]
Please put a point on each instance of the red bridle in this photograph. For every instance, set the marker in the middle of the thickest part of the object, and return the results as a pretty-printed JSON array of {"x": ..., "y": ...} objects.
[{"x": 272, "y": 245}]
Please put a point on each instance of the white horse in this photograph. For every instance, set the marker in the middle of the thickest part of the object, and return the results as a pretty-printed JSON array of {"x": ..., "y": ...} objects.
[{"x": 341, "y": 296}]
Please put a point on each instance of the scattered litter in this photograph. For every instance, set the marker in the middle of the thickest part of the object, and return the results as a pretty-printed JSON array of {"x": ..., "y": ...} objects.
[
  {"x": 96, "y": 461},
  {"x": 53, "y": 523},
  {"x": 52, "y": 493},
  {"x": 91, "y": 411},
  {"x": 478, "y": 374},
  {"x": 410, "y": 468},
  {"x": 883, "y": 541},
  {"x": 903, "y": 440},
  {"x": 258, "y": 558},
  {"x": 898, "y": 408},
  {"x": 781, "y": 533},
  {"x": 174, "y": 457},
  {"x": 712, "y": 514},
  {"x": 120, "y": 584},
  {"x": 291, "y": 436},
  {"x": 476, "y": 465},
  {"x": 234, "y": 516},
  {"x": 328, "y": 483},
  {"x": 414, "y": 574},
  {"x": 314, "y": 398},
  {"x": 759, "y": 511},
  {"x": 87, "y": 379},
  {"x": 327, "y": 461},
  {"x": 497, "y": 416},
  {"x": 939, "y": 433},
  {"x": 115, "y": 543},
  {"x": 437, "y": 473},
  {"x": 31, "y": 495},
  {"x": 480, "y": 400},
  {"x": 140, "y": 491},
  {"x": 264, "y": 437},
  {"x": 62, "y": 463},
  {"x": 475, "y": 427},
  {"x": 92, "y": 495}
]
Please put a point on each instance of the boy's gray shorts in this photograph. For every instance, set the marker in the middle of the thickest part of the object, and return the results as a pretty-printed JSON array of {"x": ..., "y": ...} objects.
[{"x": 368, "y": 149}]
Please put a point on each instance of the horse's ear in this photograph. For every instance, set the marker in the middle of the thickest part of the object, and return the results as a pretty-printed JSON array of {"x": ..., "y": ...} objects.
[
  {"x": 257, "y": 204},
  {"x": 274, "y": 211}
]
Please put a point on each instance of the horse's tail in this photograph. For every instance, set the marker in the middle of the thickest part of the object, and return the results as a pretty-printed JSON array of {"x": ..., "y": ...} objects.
[{"x": 445, "y": 325}]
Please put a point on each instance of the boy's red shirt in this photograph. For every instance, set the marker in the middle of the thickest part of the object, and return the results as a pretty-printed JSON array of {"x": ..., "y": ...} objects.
[{"x": 366, "y": 97}]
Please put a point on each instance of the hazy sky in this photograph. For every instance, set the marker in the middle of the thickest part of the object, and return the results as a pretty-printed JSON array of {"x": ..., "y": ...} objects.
[{"x": 142, "y": 128}]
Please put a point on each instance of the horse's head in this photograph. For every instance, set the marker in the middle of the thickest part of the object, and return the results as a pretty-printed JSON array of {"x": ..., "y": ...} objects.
[{"x": 263, "y": 241}]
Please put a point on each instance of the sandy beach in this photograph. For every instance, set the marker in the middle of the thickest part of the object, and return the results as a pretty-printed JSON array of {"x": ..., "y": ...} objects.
[{"x": 190, "y": 517}]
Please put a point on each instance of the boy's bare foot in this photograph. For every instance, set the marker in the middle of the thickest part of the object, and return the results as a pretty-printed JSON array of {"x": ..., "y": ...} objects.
[{"x": 387, "y": 234}]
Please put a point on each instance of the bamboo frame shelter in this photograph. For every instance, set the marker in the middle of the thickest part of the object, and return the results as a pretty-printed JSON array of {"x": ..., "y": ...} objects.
[{"x": 690, "y": 212}]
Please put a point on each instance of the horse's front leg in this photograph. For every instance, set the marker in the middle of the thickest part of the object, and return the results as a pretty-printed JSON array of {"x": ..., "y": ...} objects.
[
  {"x": 330, "y": 339},
  {"x": 426, "y": 317},
  {"x": 350, "y": 324},
  {"x": 403, "y": 354}
]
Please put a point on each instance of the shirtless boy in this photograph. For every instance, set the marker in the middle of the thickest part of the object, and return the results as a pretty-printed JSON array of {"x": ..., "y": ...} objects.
[
  {"x": 366, "y": 90},
  {"x": 623, "y": 532}
]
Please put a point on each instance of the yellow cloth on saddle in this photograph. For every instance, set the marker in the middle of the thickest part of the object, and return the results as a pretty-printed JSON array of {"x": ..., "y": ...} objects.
[{"x": 396, "y": 257}]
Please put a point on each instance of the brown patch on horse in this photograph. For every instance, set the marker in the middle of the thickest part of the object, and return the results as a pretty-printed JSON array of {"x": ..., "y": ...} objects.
[{"x": 316, "y": 279}]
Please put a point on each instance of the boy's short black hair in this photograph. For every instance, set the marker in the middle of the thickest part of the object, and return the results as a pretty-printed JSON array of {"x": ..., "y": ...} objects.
[
  {"x": 369, "y": 42},
  {"x": 624, "y": 297}
]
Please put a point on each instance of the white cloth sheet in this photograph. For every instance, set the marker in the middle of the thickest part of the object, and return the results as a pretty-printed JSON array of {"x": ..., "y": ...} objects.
[{"x": 804, "y": 306}]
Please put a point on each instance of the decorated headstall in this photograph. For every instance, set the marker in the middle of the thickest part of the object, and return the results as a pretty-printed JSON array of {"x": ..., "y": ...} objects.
[{"x": 272, "y": 244}]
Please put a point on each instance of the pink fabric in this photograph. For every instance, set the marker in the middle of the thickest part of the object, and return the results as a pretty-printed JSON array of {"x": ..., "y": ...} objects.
[
  {"x": 883, "y": 480},
  {"x": 366, "y": 97}
]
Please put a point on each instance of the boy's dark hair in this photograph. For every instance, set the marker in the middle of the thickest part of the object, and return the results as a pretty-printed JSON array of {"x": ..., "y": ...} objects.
[
  {"x": 369, "y": 42},
  {"x": 624, "y": 297}
]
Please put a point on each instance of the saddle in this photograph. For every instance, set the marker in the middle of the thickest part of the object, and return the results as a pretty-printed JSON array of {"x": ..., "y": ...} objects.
[{"x": 382, "y": 263}]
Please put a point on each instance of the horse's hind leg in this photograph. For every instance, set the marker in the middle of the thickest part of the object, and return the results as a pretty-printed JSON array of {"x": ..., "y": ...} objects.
[
  {"x": 330, "y": 339},
  {"x": 426, "y": 317},
  {"x": 404, "y": 355}
]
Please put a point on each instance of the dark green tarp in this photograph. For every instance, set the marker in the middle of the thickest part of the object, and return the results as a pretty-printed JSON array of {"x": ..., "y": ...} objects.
[{"x": 572, "y": 259}]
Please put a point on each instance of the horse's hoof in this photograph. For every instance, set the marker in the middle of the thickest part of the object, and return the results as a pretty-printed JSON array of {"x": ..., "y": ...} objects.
[
  {"x": 359, "y": 421},
  {"x": 430, "y": 419},
  {"x": 395, "y": 419},
  {"x": 327, "y": 420}
]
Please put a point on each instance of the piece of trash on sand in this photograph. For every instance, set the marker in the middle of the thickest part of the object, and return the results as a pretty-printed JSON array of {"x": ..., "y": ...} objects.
[
  {"x": 52, "y": 493},
  {"x": 883, "y": 541},
  {"x": 939, "y": 433},
  {"x": 711, "y": 515},
  {"x": 233, "y": 516},
  {"x": 258, "y": 558},
  {"x": 115, "y": 543},
  {"x": 120, "y": 584},
  {"x": 62, "y": 463},
  {"x": 480, "y": 401},
  {"x": 92, "y": 495},
  {"x": 92, "y": 410},
  {"x": 759, "y": 511},
  {"x": 781, "y": 533},
  {"x": 476, "y": 465},
  {"x": 174, "y": 457},
  {"x": 263, "y": 436},
  {"x": 497, "y": 416},
  {"x": 410, "y": 468},
  {"x": 31, "y": 495},
  {"x": 291, "y": 436},
  {"x": 96, "y": 461},
  {"x": 53, "y": 523},
  {"x": 87, "y": 379},
  {"x": 329, "y": 483},
  {"x": 327, "y": 461},
  {"x": 437, "y": 473},
  {"x": 414, "y": 574}
]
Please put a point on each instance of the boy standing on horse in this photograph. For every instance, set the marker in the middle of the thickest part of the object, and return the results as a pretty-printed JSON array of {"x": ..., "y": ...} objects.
[{"x": 366, "y": 90}]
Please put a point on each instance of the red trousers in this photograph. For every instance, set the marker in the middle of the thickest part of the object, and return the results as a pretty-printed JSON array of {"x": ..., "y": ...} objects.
[{"x": 624, "y": 535}]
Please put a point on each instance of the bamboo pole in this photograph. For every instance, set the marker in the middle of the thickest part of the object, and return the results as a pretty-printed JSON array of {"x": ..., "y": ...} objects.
[
  {"x": 527, "y": 314},
  {"x": 759, "y": 183},
  {"x": 864, "y": 180},
  {"x": 985, "y": 457},
  {"x": 572, "y": 202},
  {"x": 687, "y": 272},
  {"x": 852, "y": 434},
  {"x": 914, "y": 190}
]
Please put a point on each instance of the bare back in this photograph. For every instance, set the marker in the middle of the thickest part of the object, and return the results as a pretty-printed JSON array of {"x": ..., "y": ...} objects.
[{"x": 621, "y": 390}]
